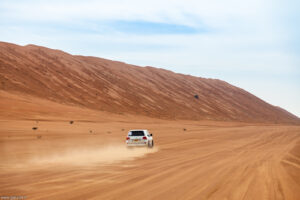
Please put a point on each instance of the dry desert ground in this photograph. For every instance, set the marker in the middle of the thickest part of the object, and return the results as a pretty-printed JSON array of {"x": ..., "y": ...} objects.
[{"x": 191, "y": 160}]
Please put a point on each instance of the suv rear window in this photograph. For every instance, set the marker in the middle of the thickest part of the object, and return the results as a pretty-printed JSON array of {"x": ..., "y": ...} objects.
[{"x": 137, "y": 133}]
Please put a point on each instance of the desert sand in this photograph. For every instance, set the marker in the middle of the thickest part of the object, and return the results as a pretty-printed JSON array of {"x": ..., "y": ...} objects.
[
  {"x": 191, "y": 159},
  {"x": 64, "y": 120},
  {"x": 121, "y": 88}
]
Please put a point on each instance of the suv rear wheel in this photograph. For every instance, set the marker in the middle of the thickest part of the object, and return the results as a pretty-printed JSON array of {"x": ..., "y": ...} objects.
[{"x": 150, "y": 144}]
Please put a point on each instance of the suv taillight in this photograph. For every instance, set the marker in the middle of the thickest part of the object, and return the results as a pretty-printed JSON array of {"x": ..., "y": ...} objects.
[
  {"x": 144, "y": 138},
  {"x": 127, "y": 138}
]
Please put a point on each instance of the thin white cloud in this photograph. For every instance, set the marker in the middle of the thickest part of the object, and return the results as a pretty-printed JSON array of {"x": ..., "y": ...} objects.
[{"x": 216, "y": 13}]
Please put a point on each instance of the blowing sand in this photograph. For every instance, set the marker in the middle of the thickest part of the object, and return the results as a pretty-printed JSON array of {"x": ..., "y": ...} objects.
[
  {"x": 191, "y": 160},
  {"x": 87, "y": 156}
]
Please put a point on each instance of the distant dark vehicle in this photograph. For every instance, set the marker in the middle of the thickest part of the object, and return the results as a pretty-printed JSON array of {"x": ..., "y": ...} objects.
[{"x": 139, "y": 138}]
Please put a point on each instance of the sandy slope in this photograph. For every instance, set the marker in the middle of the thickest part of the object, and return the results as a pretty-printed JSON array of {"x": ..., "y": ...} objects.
[
  {"x": 116, "y": 87},
  {"x": 210, "y": 160}
]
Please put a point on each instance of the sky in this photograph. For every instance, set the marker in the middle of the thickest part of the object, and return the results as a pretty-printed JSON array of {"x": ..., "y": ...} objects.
[{"x": 252, "y": 44}]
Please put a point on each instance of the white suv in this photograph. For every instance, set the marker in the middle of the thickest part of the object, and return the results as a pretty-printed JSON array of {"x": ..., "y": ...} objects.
[{"x": 139, "y": 138}]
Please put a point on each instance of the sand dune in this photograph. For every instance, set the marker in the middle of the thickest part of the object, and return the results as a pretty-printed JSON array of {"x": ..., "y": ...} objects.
[{"x": 116, "y": 87}]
